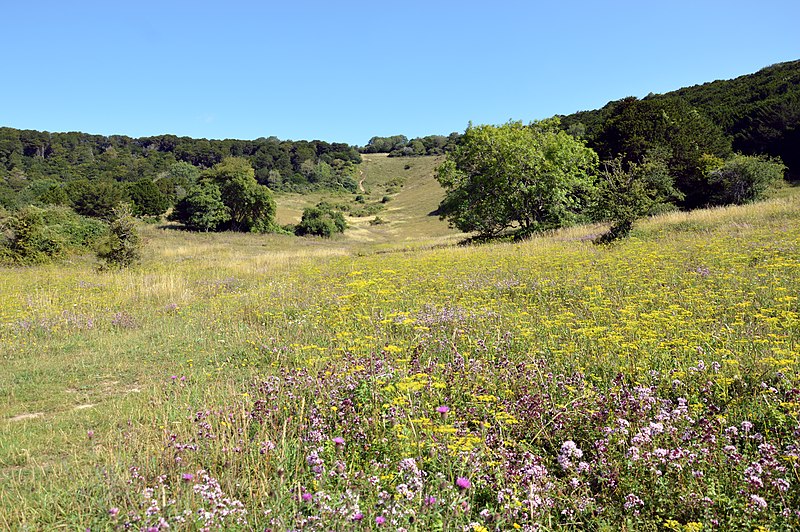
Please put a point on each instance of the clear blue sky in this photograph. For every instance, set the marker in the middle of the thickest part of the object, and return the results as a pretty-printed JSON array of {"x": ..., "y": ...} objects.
[{"x": 346, "y": 71}]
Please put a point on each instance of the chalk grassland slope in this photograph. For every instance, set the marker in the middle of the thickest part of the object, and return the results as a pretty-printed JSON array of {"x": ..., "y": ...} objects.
[
  {"x": 233, "y": 378},
  {"x": 401, "y": 191}
]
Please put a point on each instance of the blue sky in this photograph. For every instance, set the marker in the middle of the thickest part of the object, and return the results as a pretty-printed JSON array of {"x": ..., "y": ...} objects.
[{"x": 346, "y": 71}]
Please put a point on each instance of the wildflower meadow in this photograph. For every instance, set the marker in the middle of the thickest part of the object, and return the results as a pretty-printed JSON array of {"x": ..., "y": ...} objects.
[{"x": 542, "y": 385}]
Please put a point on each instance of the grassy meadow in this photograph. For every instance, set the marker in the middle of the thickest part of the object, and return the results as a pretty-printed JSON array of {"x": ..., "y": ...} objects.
[{"x": 391, "y": 379}]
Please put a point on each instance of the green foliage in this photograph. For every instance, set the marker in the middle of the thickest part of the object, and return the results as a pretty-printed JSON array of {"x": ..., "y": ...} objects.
[
  {"x": 35, "y": 235},
  {"x": 671, "y": 126},
  {"x": 27, "y": 240},
  {"x": 759, "y": 112},
  {"x": 322, "y": 220},
  {"x": 528, "y": 178},
  {"x": 123, "y": 246},
  {"x": 251, "y": 206},
  {"x": 628, "y": 191},
  {"x": 385, "y": 144},
  {"x": 54, "y": 194},
  {"x": 202, "y": 209},
  {"x": 400, "y": 146},
  {"x": 96, "y": 199},
  {"x": 172, "y": 162},
  {"x": 744, "y": 179},
  {"x": 147, "y": 198}
]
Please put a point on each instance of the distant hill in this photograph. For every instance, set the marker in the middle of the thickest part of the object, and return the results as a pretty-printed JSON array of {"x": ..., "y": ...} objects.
[
  {"x": 31, "y": 161},
  {"x": 760, "y": 112}
]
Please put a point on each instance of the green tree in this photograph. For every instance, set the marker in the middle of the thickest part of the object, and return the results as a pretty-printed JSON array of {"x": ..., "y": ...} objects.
[
  {"x": 147, "y": 198},
  {"x": 322, "y": 220},
  {"x": 202, "y": 209},
  {"x": 251, "y": 206},
  {"x": 628, "y": 191},
  {"x": 96, "y": 199},
  {"x": 26, "y": 239},
  {"x": 525, "y": 178},
  {"x": 637, "y": 127}
]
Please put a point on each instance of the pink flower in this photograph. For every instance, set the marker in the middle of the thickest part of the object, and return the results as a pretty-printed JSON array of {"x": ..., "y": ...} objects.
[
  {"x": 380, "y": 520},
  {"x": 463, "y": 483},
  {"x": 443, "y": 409},
  {"x": 187, "y": 477},
  {"x": 113, "y": 511},
  {"x": 306, "y": 496},
  {"x": 339, "y": 441}
]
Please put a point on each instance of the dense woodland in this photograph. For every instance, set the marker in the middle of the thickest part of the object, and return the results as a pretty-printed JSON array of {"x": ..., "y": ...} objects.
[
  {"x": 400, "y": 146},
  {"x": 33, "y": 162},
  {"x": 758, "y": 113}
]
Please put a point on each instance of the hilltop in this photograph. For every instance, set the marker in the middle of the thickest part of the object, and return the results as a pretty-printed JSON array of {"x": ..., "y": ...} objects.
[{"x": 759, "y": 112}]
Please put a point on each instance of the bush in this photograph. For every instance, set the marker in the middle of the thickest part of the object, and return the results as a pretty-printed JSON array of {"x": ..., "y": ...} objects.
[
  {"x": 123, "y": 246},
  {"x": 322, "y": 220},
  {"x": 627, "y": 192},
  {"x": 202, "y": 209},
  {"x": 744, "y": 179},
  {"x": 35, "y": 235},
  {"x": 147, "y": 198},
  {"x": 96, "y": 199}
]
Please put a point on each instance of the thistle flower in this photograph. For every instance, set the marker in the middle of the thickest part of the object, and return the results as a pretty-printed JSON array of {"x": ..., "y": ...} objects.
[{"x": 463, "y": 483}]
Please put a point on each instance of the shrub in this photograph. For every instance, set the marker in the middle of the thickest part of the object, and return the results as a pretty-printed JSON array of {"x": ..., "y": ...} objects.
[
  {"x": 322, "y": 220},
  {"x": 35, "y": 235},
  {"x": 202, "y": 209},
  {"x": 744, "y": 179},
  {"x": 95, "y": 198},
  {"x": 123, "y": 246}
]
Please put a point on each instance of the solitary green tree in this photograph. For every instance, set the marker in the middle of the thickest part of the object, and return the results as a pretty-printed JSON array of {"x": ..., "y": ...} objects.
[{"x": 524, "y": 178}]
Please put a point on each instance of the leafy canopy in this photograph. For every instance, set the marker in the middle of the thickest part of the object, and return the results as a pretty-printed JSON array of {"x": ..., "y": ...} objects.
[
  {"x": 525, "y": 178},
  {"x": 227, "y": 197},
  {"x": 323, "y": 220}
]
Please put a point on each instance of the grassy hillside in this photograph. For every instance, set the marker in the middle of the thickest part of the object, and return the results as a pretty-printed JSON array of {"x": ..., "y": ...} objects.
[
  {"x": 250, "y": 382},
  {"x": 401, "y": 191}
]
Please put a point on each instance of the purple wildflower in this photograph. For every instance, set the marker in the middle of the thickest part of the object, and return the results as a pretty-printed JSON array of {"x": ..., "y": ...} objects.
[
  {"x": 380, "y": 520},
  {"x": 463, "y": 483}
]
